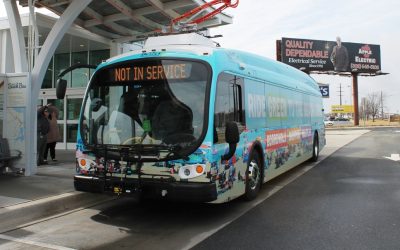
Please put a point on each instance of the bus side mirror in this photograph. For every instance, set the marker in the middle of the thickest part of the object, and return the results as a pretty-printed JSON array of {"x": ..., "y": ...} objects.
[
  {"x": 61, "y": 88},
  {"x": 232, "y": 138}
]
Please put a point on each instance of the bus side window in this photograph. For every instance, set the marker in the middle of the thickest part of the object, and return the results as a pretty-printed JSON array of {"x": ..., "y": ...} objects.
[{"x": 228, "y": 104}]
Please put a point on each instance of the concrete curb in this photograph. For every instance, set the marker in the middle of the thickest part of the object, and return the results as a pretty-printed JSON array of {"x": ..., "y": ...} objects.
[
  {"x": 360, "y": 127},
  {"x": 15, "y": 216}
]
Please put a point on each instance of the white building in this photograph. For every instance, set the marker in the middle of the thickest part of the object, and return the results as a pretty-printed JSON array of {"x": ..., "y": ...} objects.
[{"x": 77, "y": 46}]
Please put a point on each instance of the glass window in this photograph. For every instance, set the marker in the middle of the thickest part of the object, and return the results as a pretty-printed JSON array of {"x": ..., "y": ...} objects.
[
  {"x": 61, "y": 129},
  {"x": 73, "y": 108},
  {"x": 97, "y": 56},
  {"x": 61, "y": 62},
  {"x": 39, "y": 103},
  {"x": 72, "y": 131},
  {"x": 48, "y": 77},
  {"x": 80, "y": 77},
  {"x": 165, "y": 107},
  {"x": 228, "y": 104}
]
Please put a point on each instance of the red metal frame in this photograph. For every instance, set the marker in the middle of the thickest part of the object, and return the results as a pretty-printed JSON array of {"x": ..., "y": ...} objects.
[{"x": 225, "y": 4}]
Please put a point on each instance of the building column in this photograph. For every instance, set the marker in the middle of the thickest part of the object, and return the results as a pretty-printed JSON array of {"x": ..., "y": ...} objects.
[
  {"x": 52, "y": 41},
  {"x": 6, "y": 55},
  {"x": 115, "y": 49},
  {"x": 17, "y": 36},
  {"x": 39, "y": 70}
]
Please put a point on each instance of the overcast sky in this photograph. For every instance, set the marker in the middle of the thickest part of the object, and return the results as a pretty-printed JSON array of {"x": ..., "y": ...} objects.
[{"x": 257, "y": 24}]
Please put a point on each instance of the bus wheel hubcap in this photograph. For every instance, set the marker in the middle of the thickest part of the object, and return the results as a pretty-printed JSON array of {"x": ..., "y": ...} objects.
[
  {"x": 316, "y": 149},
  {"x": 254, "y": 175}
]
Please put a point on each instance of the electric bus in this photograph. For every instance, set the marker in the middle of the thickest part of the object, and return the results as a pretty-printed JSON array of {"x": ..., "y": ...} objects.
[{"x": 184, "y": 119}]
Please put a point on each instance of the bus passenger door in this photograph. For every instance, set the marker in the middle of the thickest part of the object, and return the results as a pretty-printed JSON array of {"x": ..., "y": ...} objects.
[{"x": 228, "y": 107}]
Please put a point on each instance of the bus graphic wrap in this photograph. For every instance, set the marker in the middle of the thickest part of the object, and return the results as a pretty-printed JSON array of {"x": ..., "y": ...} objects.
[{"x": 161, "y": 124}]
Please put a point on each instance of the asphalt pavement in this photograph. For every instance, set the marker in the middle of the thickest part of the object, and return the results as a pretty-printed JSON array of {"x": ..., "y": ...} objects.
[
  {"x": 351, "y": 201},
  {"x": 272, "y": 221}
]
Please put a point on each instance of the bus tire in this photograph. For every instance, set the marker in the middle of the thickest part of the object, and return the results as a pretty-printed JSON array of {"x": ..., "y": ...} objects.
[
  {"x": 315, "y": 149},
  {"x": 253, "y": 176}
]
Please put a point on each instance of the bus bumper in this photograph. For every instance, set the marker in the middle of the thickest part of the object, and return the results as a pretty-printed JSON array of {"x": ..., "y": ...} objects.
[{"x": 176, "y": 191}]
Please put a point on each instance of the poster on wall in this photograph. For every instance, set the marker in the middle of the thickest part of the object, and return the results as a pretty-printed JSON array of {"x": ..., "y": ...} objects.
[
  {"x": 15, "y": 114},
  {"x": 16, "y": 91},
  {"x": 319, "y": 55}
]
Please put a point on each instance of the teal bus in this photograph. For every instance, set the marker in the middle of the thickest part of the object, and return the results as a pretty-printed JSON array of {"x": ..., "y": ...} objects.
[{"x": 184, "y": 119}]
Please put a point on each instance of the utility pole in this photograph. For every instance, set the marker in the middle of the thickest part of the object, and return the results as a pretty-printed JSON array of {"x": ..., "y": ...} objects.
[
  {"x": 381, "y": 105},
  {"x": 355, "y": 98},
  {"x": 340, "y": 93}
]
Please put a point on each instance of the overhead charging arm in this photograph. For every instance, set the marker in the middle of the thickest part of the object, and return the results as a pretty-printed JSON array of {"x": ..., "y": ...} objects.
[{"x": 192, "y": 14}]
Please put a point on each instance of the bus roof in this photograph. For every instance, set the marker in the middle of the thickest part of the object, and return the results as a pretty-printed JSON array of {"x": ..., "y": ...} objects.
[{"x": 237, "y": 61}]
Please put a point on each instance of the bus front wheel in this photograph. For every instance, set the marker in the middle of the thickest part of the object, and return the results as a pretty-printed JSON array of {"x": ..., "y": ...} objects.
[
  {"x": 253, "y": 176},
  {"x": 315, "y": 155}
]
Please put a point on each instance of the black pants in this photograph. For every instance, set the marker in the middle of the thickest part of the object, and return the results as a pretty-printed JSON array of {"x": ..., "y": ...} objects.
[
  {"x": 41, "y": 147},
  {"x": 52, "y": 147}
]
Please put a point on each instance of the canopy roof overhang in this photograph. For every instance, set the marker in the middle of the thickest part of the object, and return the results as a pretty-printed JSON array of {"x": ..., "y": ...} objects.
[{"x": 131, "y": 20}]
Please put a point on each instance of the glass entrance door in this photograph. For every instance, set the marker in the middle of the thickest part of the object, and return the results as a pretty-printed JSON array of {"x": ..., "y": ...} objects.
[
  {"x": 59, "y": 104},
  {"x": 69, "y": 109},
  {"x": 73, "y": 108}
]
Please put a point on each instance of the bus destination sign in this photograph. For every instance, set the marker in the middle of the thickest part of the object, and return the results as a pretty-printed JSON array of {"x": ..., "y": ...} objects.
[{"x": 151, "y": 72}]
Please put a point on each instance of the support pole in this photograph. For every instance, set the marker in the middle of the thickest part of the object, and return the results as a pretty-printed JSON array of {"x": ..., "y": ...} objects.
[
  {"x": 53, "y": 40},
  {"x": 41, "y": 62},
  {"x": 17, "y": 36},
  {"x": 39, "y": 70},
  {"x": 279, "y": 50},
  {"x": 355, "y": 98}
]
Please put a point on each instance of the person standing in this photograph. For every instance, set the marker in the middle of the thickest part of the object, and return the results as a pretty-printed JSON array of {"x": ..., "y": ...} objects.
[
  {"x": 340, "y": 56},
  {"x": 43, "y": 127},
  {"x": 54, "y": 134}
]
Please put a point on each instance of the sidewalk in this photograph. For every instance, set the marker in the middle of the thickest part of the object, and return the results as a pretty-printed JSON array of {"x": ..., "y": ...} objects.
[{"x": 49, "y": 192}]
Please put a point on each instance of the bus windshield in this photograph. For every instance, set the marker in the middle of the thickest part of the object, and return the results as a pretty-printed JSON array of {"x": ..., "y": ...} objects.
[{"x": 157, "y": 102}]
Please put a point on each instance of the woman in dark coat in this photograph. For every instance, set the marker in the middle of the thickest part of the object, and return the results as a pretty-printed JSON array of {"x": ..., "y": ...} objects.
[{"x": 43, "y": 127}]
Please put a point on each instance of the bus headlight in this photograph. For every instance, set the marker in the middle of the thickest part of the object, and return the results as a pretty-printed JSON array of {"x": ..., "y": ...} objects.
[
  {"x": 191, "y": 171},
  {"x": 86, "y": 164}
]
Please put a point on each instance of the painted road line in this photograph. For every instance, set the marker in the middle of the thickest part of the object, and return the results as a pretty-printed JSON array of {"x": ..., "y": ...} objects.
[
  {"x": 34, "y": 243},
  {"x": 393, "y": 157}
]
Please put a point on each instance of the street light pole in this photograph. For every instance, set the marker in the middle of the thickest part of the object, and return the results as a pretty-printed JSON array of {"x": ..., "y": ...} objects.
[{"x": 355, "y": 99}]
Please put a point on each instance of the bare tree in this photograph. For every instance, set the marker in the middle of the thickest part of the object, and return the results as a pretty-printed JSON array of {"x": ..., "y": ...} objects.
[
  {"x": 382, "y": 103},
  {"x": 374, "y": 103},
  {"x": 364, "y": 108}
]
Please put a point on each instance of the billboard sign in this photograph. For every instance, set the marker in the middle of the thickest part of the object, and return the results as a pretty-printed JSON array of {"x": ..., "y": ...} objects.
[
  {"x": 324, "y": 90},
  {"x": 318, "y": 55},
  {"x": 342, "y": 109}
]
